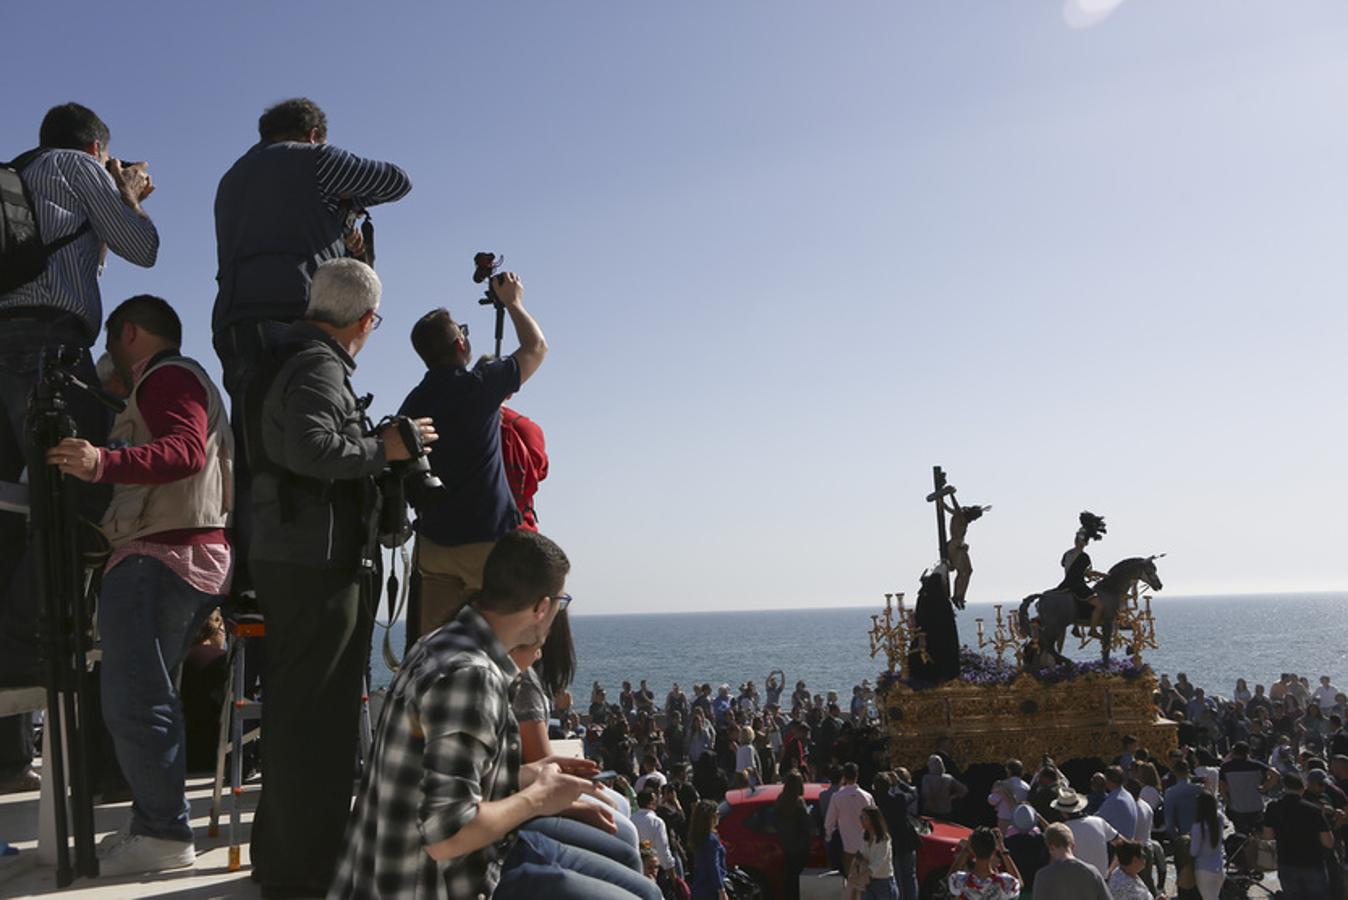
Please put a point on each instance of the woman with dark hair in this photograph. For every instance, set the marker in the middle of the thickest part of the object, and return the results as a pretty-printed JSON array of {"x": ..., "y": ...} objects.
[
  {"x": 877, "y": 855},
  {"x": 992, "y": 875},
  {"x": 795, "y": 831},
  {"x": 1077, "y": 569},
  {"x": 708, "y": 853},
  {"x": 544, "y": 672},
  {"x": 557, "y": 666},
  {"x": 539, "y": 680},
  {"x": 1205, "y": 846},
  {"x": 708, "y": 778},
  {"x": 1125, "y": 882}
]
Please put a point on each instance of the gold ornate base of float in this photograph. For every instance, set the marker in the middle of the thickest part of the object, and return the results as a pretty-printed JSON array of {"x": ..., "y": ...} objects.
[{"x": 1083, "y": 718}]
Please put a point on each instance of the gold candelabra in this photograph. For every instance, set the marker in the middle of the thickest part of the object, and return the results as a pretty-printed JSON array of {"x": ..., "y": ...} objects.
[
  {"x": 1005, "y": 637},
  {"x": 1135, "y": 617},
  {"x": 896, "y": 633}
]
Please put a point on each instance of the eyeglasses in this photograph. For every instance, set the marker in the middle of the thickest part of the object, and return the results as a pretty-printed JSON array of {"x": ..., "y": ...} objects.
[
  {"x": 376, "y": 319},
  {"x": 563, "y": 601},
  {"x": 463, "y": 329}
]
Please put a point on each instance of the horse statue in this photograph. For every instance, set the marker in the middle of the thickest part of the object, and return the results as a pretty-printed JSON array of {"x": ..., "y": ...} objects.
[{"x": 1058, "y": 609}]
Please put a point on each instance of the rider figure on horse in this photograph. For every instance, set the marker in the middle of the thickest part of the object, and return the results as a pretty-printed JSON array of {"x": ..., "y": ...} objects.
[{"x": 1076, "y": 564}]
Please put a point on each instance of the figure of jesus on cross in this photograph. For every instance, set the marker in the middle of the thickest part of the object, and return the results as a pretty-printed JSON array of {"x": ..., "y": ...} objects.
[{"x": 954, "y": 551}]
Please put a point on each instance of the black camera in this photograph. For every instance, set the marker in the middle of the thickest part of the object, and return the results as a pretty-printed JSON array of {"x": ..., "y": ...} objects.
[
  {"x": 409, "y": 477},
  {"x": 417, "y": 469}
]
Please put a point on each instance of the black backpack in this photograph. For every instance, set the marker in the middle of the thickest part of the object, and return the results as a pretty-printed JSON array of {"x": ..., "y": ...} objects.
[{"x": 23, "y": 256}]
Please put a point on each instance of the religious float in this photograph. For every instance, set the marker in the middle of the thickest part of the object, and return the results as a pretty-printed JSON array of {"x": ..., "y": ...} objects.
[{"x": 1015, "y": 695}]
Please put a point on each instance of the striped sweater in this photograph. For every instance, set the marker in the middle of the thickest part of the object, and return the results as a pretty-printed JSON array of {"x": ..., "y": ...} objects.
[{"x": 69, "y": 188}]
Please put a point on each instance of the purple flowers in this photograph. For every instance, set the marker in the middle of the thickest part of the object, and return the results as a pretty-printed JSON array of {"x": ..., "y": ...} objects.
[
  {"x": 984, "y": 671},
  {"x": 1069, "y": 670},
  {"x": 988, "y": 671}
]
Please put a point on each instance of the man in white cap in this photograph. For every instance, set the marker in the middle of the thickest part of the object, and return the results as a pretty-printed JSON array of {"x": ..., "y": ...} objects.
[{"x": 1092, "y": 835}]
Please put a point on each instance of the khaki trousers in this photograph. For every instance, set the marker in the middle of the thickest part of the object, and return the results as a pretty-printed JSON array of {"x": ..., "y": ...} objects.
[{"x": 449, "y": 576}]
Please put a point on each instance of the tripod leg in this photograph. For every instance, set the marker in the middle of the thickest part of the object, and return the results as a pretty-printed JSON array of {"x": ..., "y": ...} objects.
[
  {"x": 45, "y": 494},
  {"x": 81, "y": 798}
]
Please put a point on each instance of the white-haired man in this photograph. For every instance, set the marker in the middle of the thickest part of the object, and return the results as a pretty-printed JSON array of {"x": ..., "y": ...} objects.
[{"x": 313, "y": 465}]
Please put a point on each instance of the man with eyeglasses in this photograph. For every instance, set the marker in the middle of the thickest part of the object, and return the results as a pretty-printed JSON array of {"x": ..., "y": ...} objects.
[
  {"x": 446, "y": 807},
  {"x": 313, "y": 480},
  {"x": 458, "y": 526}
]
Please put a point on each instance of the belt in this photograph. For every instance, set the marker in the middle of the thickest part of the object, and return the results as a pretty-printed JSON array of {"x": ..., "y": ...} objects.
[{"x": 38, "y": 314}]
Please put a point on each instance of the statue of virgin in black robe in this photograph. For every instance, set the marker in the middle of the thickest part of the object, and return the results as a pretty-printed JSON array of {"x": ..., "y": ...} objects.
[{"x": 935, "y": 617}]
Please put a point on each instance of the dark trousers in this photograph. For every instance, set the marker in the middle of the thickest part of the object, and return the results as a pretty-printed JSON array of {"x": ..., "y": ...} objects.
[
  {"x": 21, "y": 341},
  {"x": 318, "y": 639},
  {"x": 794, "y": 864},
  {"x": 1304, "y": 882},
  {"x": 240, "y": 348}
]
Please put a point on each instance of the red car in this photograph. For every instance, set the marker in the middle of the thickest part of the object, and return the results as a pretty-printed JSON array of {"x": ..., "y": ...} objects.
[{"x": 749, "y": 834}]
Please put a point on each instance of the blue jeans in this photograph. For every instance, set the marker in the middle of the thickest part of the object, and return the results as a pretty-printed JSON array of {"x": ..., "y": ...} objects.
[
  {"x": 147, "y": 618},
  {"x": 905, "y": 872},
  {"x": 1303, "y": 882},
  {"x": 881, "y": 889},
  {"x": 586, "y": 837},
  {"x": 20, "y": 342},
  {"x": 540, "y": 866}
]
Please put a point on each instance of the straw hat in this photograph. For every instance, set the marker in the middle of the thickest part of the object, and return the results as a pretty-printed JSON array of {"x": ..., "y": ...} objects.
[{"x": 1069, "y": 801}]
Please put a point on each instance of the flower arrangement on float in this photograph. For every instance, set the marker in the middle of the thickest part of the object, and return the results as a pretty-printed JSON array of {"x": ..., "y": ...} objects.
[{"x": 988, "y": 671}]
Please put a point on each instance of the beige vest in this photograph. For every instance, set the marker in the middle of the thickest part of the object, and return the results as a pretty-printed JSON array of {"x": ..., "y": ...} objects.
[{"x": 203, "y": 500}]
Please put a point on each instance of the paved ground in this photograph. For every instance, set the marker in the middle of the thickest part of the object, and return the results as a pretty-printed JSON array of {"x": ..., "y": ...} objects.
[{"x": 21, "y": 877}]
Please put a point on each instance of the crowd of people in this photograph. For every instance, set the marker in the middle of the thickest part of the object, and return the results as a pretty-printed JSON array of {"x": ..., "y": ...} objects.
[{"x": 1262, "y": 766}]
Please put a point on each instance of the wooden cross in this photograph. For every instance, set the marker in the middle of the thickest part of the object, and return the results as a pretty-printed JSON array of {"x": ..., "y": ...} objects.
[{"x": 937, "y": 496}]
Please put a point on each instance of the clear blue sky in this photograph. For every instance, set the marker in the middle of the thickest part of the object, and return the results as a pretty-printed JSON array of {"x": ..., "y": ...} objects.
[{"x": 790, "y": 255}]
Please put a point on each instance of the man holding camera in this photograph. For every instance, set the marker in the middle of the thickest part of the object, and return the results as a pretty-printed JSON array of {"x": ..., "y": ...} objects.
[
  {"x": 313, "y": 492},
  {"x": 85, "y": 204},
  {"x": 281, "y": 210},
  {"x": 169, "y": 567},
  {"x": 457, "y": 527}
]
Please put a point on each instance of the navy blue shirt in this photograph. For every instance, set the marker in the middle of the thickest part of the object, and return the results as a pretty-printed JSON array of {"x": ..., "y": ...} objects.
[{"x": 465, "y": 405}]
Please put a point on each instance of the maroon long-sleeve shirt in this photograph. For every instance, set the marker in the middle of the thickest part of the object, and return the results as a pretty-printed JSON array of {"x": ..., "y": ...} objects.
[{"x": 173, "y": 404}]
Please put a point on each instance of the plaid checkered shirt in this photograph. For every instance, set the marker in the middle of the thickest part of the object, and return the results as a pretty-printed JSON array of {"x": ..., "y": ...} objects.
[{"x": 447, "y": 741}]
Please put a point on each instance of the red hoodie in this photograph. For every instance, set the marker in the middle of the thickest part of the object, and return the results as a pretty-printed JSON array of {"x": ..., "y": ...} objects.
[{"x": 526, "y": 462}]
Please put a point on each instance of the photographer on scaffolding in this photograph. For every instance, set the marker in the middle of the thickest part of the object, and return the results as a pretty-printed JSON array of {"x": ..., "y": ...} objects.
[
  {"x": 169, "y": 567},
  {"x": 457, "y": 528},
  {"x": 313, "y": 492},
  {"x": 83, "y": 203},
  {"x": 289, "y": 203}
]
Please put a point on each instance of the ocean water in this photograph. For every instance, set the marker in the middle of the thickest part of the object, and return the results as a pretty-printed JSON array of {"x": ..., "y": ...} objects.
[{"x": 1215, "y": 640}]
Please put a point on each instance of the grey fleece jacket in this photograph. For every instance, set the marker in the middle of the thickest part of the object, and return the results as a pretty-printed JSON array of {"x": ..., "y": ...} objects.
[{"x": 311, "y": 426}]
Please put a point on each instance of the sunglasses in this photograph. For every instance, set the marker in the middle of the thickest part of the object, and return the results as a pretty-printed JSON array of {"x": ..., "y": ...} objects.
[{"x": 563, "y": 601}]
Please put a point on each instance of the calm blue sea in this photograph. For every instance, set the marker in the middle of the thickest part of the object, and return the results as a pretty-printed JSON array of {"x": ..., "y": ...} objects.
[{"x": 1215, "y": 640}]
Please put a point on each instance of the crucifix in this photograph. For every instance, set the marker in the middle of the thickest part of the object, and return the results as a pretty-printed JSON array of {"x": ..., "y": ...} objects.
[{"x": 953, "y": 546}]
